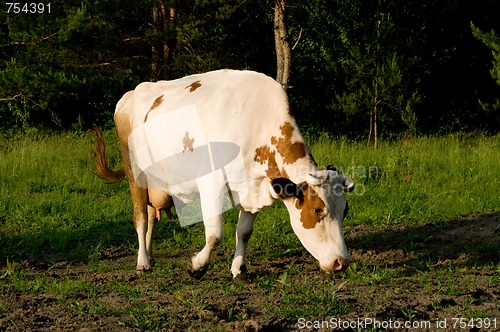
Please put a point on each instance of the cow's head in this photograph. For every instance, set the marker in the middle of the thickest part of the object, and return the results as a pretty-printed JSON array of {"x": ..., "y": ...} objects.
[{"x": 317, "y": 208}]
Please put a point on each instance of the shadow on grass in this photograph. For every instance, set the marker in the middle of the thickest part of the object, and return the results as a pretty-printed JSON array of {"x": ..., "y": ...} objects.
[
  {"x": 471, "y": 241},
  {"x": 48, "y": 246}
]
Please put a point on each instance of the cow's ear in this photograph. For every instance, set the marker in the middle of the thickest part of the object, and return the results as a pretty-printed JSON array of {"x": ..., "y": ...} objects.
[{"x": 286, "y": 188}]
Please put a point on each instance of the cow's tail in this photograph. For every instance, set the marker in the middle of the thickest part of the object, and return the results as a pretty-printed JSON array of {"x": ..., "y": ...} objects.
[{"x": 102, "y": 168}]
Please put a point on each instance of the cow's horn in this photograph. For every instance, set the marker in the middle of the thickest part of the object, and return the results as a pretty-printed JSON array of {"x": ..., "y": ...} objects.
[
  {"x": 317, "y": 178},
  {"x": 347, "y": 182}
]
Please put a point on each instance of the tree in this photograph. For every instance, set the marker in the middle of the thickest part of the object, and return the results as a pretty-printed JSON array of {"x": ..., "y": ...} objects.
[
  {"x": 375, "y": 89},
  {"x": 455, "y": 71},
  {"x": 71, "y": 64},
  {"x": 283, "y": 49},
  {"x": 164, "y": 37},
  {"x": 363, "y": 68},
  {"x": 492, "y": 41}
]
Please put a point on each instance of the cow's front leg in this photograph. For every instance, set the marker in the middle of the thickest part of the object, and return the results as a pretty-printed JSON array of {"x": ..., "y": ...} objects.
[
  {"x": 214, "y": 234},
  {"x": 243, "y": 233},
  {"x": 211, "y": 197}
]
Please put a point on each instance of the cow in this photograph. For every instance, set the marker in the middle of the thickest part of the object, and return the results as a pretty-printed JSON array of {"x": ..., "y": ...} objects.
[{"x": 171, "y": 133}]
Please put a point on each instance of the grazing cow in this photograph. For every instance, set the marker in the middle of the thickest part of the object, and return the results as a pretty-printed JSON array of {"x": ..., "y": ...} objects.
[{"x": 224, "y": 134}]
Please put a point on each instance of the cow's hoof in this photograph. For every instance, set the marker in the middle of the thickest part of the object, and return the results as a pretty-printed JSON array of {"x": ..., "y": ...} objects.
[
  {"x": 242, "y": 279},
  {"x": 198, "y": 274},
  {"x": 243, "y": 276},
  {"x": 142, "y": 269}
]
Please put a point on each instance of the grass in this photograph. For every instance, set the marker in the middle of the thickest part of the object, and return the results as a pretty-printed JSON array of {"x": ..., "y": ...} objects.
[
  {"x": 53, "y": 208},
  {"x": 419, "y": 179},
  {"x": 50, "y": 200}
]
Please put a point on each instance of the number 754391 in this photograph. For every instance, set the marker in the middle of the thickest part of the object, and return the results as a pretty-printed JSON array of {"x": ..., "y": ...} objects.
[{"x": 28, "y": 7}]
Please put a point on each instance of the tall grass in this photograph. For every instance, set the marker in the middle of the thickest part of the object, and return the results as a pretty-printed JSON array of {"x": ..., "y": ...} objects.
[
  {"x": 419, "y": 179},
  {"x": 52, "y": 203},
  {"x": 50, "y": 200}
]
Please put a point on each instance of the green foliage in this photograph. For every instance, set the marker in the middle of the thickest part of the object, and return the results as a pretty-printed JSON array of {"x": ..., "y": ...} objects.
[
  {"x": 67, "y": 64},
  {"x": 492, "y": 41},
  {"x": 213, "y": 34},
  {"x": 417, "y": 62},
  {"x": 375, "y": 93}
]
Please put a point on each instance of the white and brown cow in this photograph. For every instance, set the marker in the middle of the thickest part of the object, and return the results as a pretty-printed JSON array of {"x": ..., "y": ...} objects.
[{"x": 244, "y": 111}]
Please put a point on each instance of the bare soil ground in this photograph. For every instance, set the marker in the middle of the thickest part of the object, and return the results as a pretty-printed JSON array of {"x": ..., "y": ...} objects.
[{"x": 436, "y": 272}]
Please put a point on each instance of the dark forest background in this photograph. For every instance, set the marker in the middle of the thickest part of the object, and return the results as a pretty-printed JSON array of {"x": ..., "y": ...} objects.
[{"x": 427, "y": 67}]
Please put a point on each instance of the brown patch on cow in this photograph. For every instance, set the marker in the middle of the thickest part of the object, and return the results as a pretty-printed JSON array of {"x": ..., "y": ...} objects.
[
  {"x": 156, "y": 103},
  {"x": 310, "y": 204},
  {"x": 290, "y": 152},
  {"x": 193, "y": 86},
  {"x": 187, "y": 143},
  {"x": 213, "y": 241},
  {"x": 264, "y": 154}
]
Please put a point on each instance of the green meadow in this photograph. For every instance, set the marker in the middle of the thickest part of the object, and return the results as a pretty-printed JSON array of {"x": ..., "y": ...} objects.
[
  {"x": 51, "y": 202},
  {"x": 54, "y": 209},
  {"x": 417, "y": 180}
]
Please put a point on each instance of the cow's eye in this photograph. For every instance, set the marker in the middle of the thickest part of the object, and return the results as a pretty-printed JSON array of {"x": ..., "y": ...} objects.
[{"x": 318, "y": 211}]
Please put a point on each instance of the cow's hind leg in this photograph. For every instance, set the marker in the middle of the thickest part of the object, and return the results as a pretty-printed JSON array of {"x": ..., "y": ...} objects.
[
  {"x": 243, "y": 233},
  {"x": 141, "y": 221},
  {"x": 144, "y": 219},
  {"x": 149, "y": 233}
]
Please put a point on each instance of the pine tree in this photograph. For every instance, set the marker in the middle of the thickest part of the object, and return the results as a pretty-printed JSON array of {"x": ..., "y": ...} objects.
[
  {"x": 375, "y": 90},
  {"x": 491, "y": 40}
]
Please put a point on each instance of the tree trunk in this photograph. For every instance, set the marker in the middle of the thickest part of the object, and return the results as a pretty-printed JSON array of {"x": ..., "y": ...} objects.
[
  {"x": 156, "y": 50},
  {"x": 283, "y": 50},
  {"x": 165, "y": 38},
  {"x": 375, "y": 130},
  {"x": 170, "y": 42},
  {"x": 376, "y": 92}
]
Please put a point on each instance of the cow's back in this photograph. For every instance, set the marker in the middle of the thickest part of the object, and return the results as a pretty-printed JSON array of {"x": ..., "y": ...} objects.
[
  {"x": 233, "y": 106},
  {"x": 246, "y": 109}
]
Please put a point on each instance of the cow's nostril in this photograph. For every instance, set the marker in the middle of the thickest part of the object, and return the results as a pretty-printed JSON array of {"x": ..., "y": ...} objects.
[{"x": 340, "y": 264}]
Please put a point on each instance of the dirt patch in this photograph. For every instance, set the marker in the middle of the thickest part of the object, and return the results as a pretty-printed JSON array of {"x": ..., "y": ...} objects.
[
  {"x": 434, "y": 272},
  {"x": 464, "y": 242}
]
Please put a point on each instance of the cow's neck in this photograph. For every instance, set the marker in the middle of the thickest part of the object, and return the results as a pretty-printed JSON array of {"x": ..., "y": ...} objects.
[{"x": 297, "y": 172}]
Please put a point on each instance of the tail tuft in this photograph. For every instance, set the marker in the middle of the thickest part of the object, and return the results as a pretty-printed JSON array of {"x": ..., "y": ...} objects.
[{"x": 102, "y": 168}]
